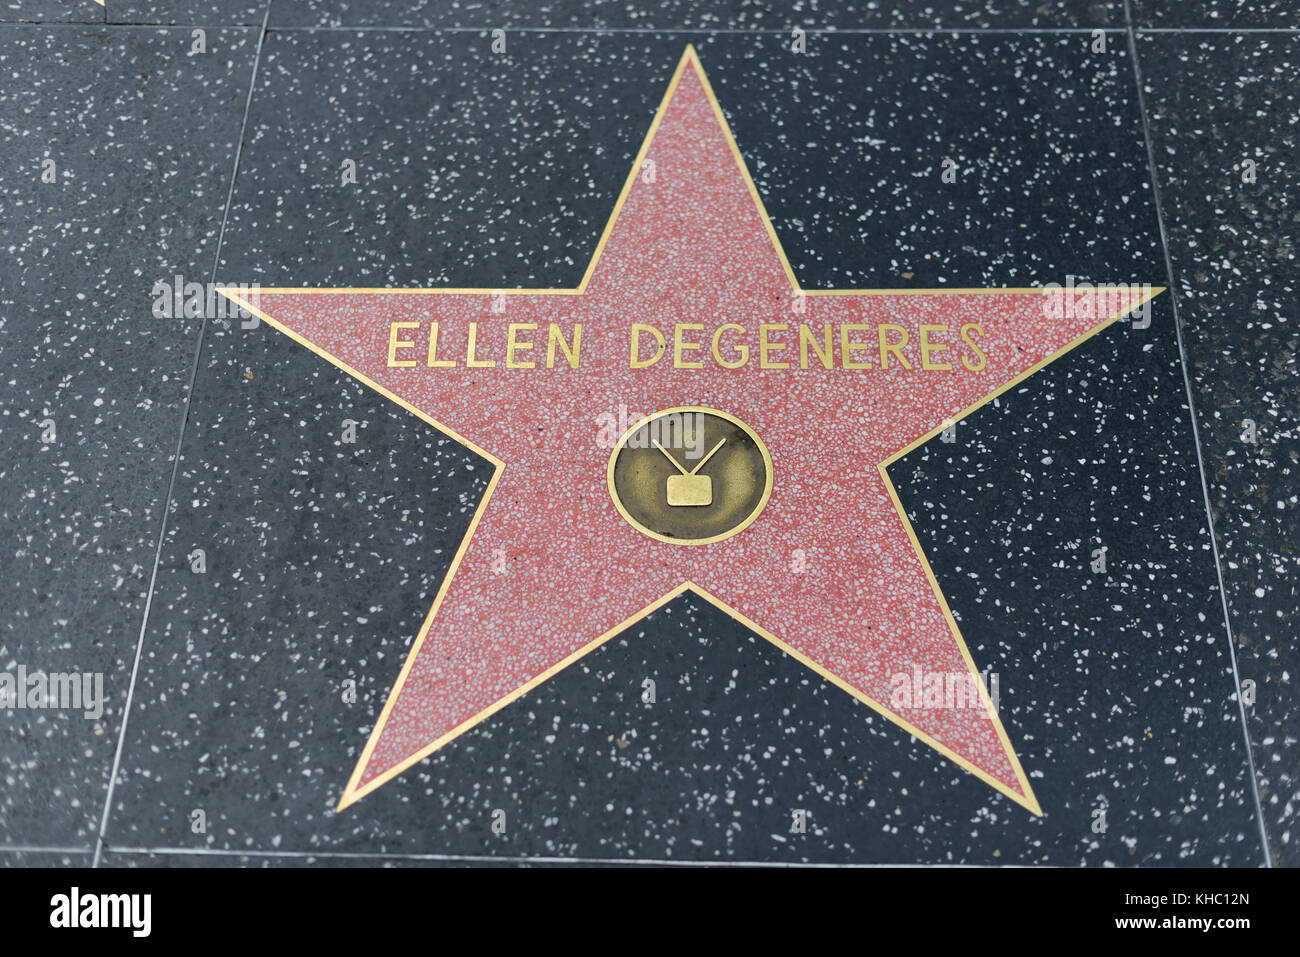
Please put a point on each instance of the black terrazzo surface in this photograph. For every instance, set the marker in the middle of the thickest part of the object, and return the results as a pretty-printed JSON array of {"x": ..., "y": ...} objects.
[
  {"x": 1216, "y": 14},
  {"x": 196, "y": 12},
  {"x": 1117, "y": 689},
  {"x": 1120, "y": 685},
  {"x": 144, "y": 859},
  {"x": 51, "y": 11},
  {"x": 449, "y": 196},
  {"x": 777, "y": 15},
  {"x": 25, "y": 858},
  {"x": 140, "y": 187},
  {"x": 1214, "y": 102}
]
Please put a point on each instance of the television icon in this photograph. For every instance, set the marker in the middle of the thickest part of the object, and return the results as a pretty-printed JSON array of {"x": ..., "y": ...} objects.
[{"x": 690, "y": 489}]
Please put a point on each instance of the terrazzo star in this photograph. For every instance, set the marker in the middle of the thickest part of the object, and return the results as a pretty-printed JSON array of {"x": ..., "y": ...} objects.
[{"x": 795, "y": 463}]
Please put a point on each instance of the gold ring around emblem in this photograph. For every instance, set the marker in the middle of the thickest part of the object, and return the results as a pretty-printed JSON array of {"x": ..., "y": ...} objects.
[{"x": 690, "y": 475}]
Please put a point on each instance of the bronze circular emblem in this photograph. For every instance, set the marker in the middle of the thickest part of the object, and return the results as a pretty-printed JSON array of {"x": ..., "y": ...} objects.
[{"x": 690, "y": 475}]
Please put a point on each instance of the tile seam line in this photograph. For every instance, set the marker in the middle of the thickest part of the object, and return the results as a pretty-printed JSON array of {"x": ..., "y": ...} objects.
[
  {"x": 1159, "y": 30},
  {"x": 750, "y": 31},
  {"x": 40, "y": 849},
  {"x": 176, "y": 460},
  {"x": 1196, "y": 436},
  {"x": 525, "y": 858},
  {"x": 743, "y": 31},
  {"x": 631, "y": 31},
  {"x": 768, "y": 31},
  {"x": 131, "y": 26}
]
